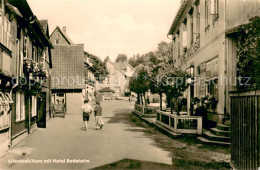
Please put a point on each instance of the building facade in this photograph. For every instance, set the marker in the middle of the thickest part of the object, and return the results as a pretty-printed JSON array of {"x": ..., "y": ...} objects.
[
  {"x": 203, "y": 45},
  {"x": 68, "y": 73},
  {"x": 198, "y": 33},
  {"x": 90, "y": 79},
  {"x": 24, "y": 51},
  {"x": 117, "y": 79}
]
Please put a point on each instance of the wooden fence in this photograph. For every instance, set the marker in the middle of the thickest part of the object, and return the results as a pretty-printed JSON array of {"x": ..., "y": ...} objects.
[
  {"x": 180, "y": 124},
  {"x": 245, "y": 133}
]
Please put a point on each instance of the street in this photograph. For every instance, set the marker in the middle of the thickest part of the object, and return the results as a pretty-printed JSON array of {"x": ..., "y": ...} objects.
[{"x": 65, "y": 138}]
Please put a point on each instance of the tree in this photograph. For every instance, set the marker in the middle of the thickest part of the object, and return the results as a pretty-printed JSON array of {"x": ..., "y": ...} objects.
[
  {"x": 100, "y": 67},
  {"x": 164, "y": 52},
  {"x": 173, "y": 82},
  {"x": 121, "y": 58},
  {"x": 140, "y": 83},
  {"x": 157, "y": 60},
  {"x": 248, "y": 55},
  {"x": 132, "y": 61}
]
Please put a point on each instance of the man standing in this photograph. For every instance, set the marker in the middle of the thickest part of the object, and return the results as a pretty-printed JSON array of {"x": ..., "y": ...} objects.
[{"x": 87, "y": 110}]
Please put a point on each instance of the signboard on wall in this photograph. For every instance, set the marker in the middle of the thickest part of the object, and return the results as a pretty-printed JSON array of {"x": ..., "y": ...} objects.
[{"x": 212, "y": 68}]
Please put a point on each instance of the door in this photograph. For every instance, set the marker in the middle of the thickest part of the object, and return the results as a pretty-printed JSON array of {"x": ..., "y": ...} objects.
[{"x": 41, "y": 110}]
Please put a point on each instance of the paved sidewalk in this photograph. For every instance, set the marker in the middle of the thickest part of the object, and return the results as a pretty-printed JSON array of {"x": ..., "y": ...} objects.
[{"x": 65, "y": 138}]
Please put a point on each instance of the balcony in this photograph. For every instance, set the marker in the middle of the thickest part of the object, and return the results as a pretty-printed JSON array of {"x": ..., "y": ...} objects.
[{"x": 187, "y": 53}]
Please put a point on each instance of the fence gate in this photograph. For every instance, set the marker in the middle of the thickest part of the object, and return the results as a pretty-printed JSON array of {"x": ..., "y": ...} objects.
[{"x": 245, "y": 130}]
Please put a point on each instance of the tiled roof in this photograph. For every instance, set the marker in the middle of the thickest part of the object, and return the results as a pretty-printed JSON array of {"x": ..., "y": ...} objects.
[{"x": 68, "y": 67}]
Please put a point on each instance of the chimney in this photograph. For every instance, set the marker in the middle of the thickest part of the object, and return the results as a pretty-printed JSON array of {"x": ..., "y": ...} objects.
[{"x": 64, "y": 29}]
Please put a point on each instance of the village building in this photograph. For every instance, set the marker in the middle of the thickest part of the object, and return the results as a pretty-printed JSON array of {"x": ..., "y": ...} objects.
[
  {"x": 198, "y": 33},
  {"x": 90, "y": 79},
  {"x": 117, "y": 79},
  {"x": 204, "y": 44},
  {"x": 68, "y": 73},
  {"x": 25, "y": 63}
]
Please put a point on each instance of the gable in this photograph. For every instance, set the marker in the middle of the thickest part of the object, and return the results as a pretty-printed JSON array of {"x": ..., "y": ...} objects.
[{"x": 60, "y": 38}]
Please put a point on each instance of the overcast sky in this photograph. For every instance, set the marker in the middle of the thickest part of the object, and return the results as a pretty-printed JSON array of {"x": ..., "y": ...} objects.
[{"x": 110, "y": 27}]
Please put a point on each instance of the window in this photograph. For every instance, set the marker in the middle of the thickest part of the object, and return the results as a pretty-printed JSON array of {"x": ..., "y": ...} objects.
[
  {"x": 198, "y": 19},
  {"x": 7, "y": 33},
  {"x": 25, "y": 47},
  {"x": 184, "y": 34},
  {"x": 212, "y": 88},
  {"x": 214, "y": 7},
  {"x": 191, "y": 28},
  {"x": 34, "y": 53},
  {"x": 206, "y": 14},
  {"x": 34, "y": 106},
  {"x": 43, "y": 59},
  {"x": 179, "y": 44},
  {"x": 57, "y": 41},
  {"x": 20, "y": 107}
]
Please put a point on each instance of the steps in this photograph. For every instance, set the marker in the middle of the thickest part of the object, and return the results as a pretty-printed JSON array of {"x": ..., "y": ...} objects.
[{"x": 216, "y": 136}]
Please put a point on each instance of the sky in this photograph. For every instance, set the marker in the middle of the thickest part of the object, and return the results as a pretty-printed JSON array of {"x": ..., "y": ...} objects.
[{"x": 110, "y": 27}]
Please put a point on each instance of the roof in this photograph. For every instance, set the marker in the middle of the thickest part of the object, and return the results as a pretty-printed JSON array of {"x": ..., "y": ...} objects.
[
  {"x": 123, "y": 65},
  {"x": 178, "y": 16},
  {"x": 68, "y": 66},
  {"x": 21, "y": 7},
  {"x": 114, "y": 64},
  {"x": 106, "y": 89},
  {"x": 67, "y": 38},
  {"x": 44, "y": 24},
  {"x": 14, "y": 10}
]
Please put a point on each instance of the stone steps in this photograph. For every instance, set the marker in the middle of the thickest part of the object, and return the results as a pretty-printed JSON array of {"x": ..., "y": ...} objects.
[
  {"x": 223, "y": 127},
  {"x": 204, "y": 140},
  {"x": 213, "y": 137},
  {"x": 216, "y": 136},
  {"x": 219, "y": 132}
]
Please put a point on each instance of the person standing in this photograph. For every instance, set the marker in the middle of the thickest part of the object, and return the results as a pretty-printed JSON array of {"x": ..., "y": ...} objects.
[
  {"x": 98, "y": 115},
  {"x": 87, "y": 110},
  {"x": 130, "y": 99}
]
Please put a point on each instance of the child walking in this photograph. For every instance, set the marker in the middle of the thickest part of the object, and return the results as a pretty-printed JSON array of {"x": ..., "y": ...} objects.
[
  {"x": 87, "y": 110},
  {"x": 98, "y": 114}
]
